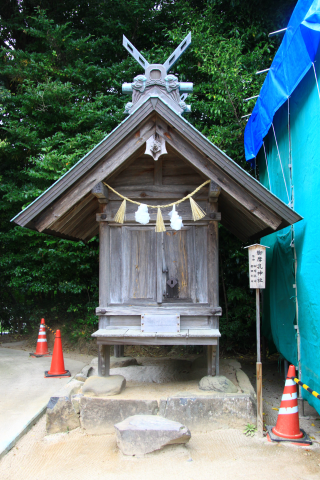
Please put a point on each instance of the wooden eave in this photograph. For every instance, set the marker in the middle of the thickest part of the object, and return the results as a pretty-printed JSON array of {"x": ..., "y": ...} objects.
[{"x": 67, "y": 209}]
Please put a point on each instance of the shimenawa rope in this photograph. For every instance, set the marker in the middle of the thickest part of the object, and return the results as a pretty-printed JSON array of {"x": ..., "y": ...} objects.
[{"x": 197, "y": 212}]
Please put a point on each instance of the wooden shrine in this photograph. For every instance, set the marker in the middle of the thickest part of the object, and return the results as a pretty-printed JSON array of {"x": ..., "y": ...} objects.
[{"x": 157, "y": 287}]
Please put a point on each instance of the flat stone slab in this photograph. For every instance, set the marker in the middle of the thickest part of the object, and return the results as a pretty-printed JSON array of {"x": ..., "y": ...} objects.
[
  {"x": 104, "y": 386},
  {"x": 218, "y": 383},
  {"x": 209, "y": 410},
  {"x": 141, "y": 434},
  {"x": 98, "y": 415}
]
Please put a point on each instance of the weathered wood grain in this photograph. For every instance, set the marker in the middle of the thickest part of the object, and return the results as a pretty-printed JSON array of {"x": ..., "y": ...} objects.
[
  {"x": 212, "y": 171},
  {"x": 72, "y": 213},
  {"x": 157, "y": 173},
  {"x": 138, "y": 264},
  {"x": 100, "y": 191},
  {"x": 186, "y": 310}
]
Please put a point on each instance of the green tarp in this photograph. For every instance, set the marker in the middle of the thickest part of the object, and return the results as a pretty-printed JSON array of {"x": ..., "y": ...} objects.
[{"x": 279, "y": 309}]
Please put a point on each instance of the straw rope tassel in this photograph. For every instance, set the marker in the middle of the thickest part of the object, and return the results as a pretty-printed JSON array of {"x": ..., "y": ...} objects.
[
  {"x": 197, "y": 212},
  {"x": 159, "y": 223},
  {"x": 119, "y": 216}
]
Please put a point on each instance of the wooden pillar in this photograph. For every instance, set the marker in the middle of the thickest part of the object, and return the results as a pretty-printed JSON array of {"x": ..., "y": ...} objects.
[
  {"x": 101, "y": 193},
  {"x": 213, "y": 284},
  {"x": 211, "y": 360},
  {"x": 104, "y": 361},
  {"x": 118, "y": 351}
]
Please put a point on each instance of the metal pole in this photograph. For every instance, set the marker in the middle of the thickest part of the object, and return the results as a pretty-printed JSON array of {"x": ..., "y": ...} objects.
[{"x": 259, "y": 369}]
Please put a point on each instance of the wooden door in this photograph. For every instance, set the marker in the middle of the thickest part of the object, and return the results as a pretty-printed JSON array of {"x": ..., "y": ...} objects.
[
  {"x": 133, "y": 265},
  {"x": 185, "y": 265},
  {"x": 153, "y": 268}
]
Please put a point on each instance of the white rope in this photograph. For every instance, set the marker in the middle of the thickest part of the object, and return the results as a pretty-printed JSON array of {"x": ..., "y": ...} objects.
[
  {"x": 284, "y": 178},
  {"x": 265, "y": 155},
  {"x": 315, "y": 74}
]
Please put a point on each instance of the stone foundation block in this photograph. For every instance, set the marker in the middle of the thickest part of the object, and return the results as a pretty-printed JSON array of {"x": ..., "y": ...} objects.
[
  {"x": 98, "y": 415},
  {"x": 207, "y": 411}
]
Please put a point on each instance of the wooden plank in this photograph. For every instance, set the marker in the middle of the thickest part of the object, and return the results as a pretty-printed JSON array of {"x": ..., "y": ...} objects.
[
  {"x": 135, "y": 337},
  {"x": 136, "y": 192},
  {"x": 201, "y": 264},
  {"x": 159, "y": 267},
  {"x": 157, "y": 179},
  {"x": 104, "y": 268},
  {"x": 212, "y": 171},
  {"x": 116, "y": 265},
  {"x": 93, "y": 232},
  {"x": 76, "y": 224},
  {"x": 187, "y": 310},
  {"x": 72, "y": 213},
  {"x": 98, "y": 173},
  {"x": 213, "y": 259},
  {"x": 139, "y": 264},
  {"x": 199, "y": 322}
]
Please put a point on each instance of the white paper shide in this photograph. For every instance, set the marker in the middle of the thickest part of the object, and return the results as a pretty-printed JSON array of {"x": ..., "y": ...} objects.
[
  {"x": 142, "y": 214},
  {"x": 175, "y": 219}
]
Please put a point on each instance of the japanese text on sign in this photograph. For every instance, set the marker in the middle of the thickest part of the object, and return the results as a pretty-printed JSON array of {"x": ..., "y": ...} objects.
[{"x": 257, "y": 266}]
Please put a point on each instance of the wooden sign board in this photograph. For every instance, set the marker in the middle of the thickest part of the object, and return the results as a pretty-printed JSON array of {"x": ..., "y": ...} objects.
[
  {"x": 257, "y": 266},
  {"x": 160, "y": 323}
]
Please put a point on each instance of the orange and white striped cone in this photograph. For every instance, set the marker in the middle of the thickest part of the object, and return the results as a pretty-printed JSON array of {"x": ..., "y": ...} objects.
[
  {"x": 42, "y": 345},
  {"x": 287, "y": 427}
]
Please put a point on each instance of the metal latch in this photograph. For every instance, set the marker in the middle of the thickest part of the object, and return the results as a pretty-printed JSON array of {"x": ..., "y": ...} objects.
[{"x": 172, "y": 282}]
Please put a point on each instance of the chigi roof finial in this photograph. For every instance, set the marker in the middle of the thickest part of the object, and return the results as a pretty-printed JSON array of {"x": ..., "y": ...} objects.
[{"x": 156, "y": 80}]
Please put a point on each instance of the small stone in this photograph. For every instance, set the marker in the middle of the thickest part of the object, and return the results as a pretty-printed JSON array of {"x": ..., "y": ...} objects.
[
  {"x": 218, "y": 383},
  {"x": 141, "y": 434},
  {"x": 80, "y": 377},
  {"x": 104, "y": 386}
]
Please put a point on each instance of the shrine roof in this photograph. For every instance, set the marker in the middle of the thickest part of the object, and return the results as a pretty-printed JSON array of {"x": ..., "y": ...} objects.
[{"x": 248, "y": 209}]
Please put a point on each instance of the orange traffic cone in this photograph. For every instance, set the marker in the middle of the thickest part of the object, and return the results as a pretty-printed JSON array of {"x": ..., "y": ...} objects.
[
  {"x": 287, "y": 427},
  {"x": 57, "y": 363},
  {"x": 42, "y": 345}
]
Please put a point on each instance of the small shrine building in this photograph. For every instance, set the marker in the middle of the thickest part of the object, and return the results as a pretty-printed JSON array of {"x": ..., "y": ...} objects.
[{"x": 154, "y": 190}]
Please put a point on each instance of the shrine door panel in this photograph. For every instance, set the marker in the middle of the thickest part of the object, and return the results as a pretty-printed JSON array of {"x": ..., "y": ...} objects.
[
  {"x": 138, "y": 264},
  {"x": 185, "y": 262}
]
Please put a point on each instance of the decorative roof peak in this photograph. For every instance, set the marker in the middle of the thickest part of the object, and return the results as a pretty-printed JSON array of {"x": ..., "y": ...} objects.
[{"x": 156, "y": 81}]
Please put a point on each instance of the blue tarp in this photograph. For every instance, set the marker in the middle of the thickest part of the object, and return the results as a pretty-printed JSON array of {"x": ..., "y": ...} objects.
[{"x": 291, "y": 63}]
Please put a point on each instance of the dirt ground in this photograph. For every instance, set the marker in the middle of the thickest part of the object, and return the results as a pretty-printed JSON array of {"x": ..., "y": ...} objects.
[{"x": 217, "y": 454}]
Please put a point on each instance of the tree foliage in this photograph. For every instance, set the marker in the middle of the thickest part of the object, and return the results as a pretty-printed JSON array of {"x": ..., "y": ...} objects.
[{"x": 62, "y": 65}]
